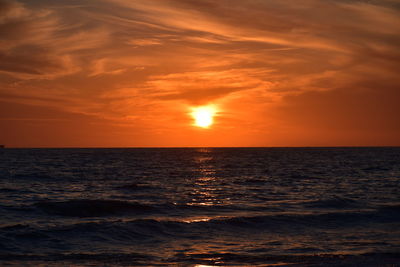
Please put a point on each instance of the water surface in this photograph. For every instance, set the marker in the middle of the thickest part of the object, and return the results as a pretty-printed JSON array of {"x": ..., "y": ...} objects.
[{"x": 193, "y": 206}]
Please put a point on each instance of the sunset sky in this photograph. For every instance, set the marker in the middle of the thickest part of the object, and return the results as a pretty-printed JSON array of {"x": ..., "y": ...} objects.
[{"x": 129, "y": 73}]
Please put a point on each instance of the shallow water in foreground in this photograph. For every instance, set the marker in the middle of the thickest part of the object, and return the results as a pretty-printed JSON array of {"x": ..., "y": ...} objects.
[{"x": 200, "y": 206}]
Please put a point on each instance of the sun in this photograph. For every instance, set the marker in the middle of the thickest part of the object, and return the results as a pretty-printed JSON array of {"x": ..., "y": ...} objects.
[{"x": 203, "y": 116}]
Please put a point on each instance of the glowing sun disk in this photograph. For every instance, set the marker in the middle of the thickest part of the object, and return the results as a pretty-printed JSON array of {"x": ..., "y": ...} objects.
[{"x": 203, "y": 116}]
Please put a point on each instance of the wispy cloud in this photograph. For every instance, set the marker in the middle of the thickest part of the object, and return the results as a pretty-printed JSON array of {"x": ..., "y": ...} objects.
[{"x": 120, "y": 59}]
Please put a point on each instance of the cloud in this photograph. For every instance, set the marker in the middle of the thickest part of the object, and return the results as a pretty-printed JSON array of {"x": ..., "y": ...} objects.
[
  {"x": 119, "y": 58},
  {"x": 31, "y": 60},
  {"x": 208, "y": 86},
  {"x": 41, "y": 42}
]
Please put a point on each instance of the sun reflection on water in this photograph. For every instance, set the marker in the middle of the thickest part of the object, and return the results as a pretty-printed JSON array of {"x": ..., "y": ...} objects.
[
  {"x": 195, "y": 220},
  {"x": 205, "y": 184}
]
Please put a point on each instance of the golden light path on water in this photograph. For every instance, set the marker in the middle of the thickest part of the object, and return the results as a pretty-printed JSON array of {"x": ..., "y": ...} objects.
[{"x": 204, "y": 192}]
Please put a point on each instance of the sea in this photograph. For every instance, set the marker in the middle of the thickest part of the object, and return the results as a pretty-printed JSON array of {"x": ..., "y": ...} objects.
[{"x": 200, "y": 206}]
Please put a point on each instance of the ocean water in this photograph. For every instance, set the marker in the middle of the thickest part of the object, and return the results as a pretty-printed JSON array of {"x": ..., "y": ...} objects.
[{"x": 200, "y": 207}]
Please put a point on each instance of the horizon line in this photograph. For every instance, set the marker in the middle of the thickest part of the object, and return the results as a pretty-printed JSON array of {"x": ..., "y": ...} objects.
[{"x": 153, "y": 147}]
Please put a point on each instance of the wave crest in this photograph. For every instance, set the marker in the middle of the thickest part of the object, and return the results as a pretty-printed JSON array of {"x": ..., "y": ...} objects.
[{"x": 91, "y": 208}]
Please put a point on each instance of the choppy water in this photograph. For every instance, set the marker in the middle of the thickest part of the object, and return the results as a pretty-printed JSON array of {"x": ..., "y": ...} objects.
[{"x": 193, "y": 206}]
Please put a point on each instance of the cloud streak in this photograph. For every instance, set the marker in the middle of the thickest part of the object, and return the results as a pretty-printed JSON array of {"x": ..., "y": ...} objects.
[{"x": 119, "y": 59}]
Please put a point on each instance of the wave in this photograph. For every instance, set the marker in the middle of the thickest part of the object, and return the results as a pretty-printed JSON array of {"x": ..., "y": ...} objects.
[
  {"x": 77, "y": 256},
  {"x": 105, "y": 207},
  {"x": 60, "y": 259},
  {"x": 314, "y": 220},
  {"x": 366, "y": 259},
  {"x": 15, "y": 190},
  {"x": 393, "y": 209},
  {"x": 91, "y": 208},
  {"x": 135, "y": 187},
  {"x": 333, "y": 203},
  {"x": 250, "y": 181},
  {"x": 156, "y": 228}
]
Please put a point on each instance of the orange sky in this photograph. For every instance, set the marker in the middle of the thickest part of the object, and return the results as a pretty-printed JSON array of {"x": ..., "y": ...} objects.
[{"x": 116, "y": 73}]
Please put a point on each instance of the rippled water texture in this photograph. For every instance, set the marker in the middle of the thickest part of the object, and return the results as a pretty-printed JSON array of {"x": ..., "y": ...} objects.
[{"x": 200, "y": 206}]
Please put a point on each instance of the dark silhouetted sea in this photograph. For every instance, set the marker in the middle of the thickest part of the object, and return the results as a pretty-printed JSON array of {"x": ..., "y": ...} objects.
[{"x": 200, "y": 207}]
